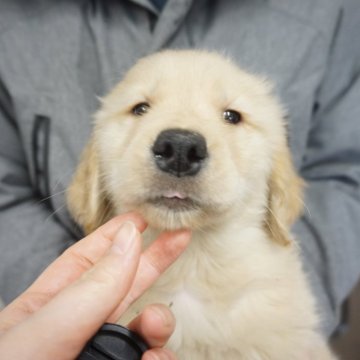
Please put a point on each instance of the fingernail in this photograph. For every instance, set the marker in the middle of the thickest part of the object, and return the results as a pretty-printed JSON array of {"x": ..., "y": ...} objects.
[
  {"x": 124, "y": 238},
  {"x": 165, "y": 316}
]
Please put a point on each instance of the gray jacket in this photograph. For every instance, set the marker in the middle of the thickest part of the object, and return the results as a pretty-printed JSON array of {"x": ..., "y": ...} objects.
[{"x": 57, "y": 56}]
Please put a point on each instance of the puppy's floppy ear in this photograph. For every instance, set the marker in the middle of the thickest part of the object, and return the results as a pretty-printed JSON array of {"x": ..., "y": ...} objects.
[
  {"x": 86, "y": 200},
  {"x": 284, "y": 197}
]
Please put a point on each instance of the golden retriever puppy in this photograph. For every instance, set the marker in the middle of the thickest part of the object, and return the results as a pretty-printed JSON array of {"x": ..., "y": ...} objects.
[{"x": 189, "y": 140}]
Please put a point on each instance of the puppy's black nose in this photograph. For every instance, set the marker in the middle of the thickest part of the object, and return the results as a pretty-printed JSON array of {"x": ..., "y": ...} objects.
[{"x": 180, "y": 152}]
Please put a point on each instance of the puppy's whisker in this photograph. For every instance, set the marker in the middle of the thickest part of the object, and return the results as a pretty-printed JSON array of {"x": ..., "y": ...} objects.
[
  {"x": 306, "y": 209},
  {"x": 54, "y": 213},
  {"x": 44, "y": 199}
]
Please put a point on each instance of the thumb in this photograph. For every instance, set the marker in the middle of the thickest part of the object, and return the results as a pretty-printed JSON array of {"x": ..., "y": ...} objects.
[{"x": 64, "y": 324}]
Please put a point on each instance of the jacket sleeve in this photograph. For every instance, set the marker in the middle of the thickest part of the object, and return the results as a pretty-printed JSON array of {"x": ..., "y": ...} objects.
[
  {"x": 30, "y": 237},
  {"x": 329, "y": 232}
]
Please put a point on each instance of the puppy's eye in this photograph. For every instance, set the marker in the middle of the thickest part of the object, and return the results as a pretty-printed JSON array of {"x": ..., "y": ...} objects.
[
  {"x": 140, "y": 109},
  {"x": 232, "y": 116}
]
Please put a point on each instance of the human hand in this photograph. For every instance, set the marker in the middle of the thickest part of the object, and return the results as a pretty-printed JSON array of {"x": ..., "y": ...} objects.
[{"x": 91, "y": 283}]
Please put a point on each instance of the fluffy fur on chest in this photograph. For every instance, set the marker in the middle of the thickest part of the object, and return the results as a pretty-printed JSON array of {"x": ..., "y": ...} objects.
[{"x": 237, "y": 295}]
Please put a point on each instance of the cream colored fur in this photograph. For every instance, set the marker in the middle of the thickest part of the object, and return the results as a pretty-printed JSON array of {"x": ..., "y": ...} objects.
[{"x": 238, "y": 292}]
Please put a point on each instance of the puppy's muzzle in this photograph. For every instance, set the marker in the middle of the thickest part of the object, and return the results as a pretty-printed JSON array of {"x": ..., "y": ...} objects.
[{"x": 180, "y": 152}]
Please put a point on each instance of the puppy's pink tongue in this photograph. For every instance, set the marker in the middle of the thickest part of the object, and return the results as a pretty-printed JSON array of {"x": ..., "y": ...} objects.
[{"x": 174, "y": 194}]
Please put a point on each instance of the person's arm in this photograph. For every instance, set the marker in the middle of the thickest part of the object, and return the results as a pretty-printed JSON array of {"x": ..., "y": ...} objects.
[
  {"x": 30, "y": 237},
  {"x": 329, "y": 232}
]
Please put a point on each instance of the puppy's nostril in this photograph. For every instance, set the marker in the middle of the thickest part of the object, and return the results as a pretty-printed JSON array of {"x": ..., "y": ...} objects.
[
  {"x": 180, "y": 152},
  {"x": 197, "y": 153},
  {"x": 192, "y": 155},
  {"x": 166, "y": 151}
]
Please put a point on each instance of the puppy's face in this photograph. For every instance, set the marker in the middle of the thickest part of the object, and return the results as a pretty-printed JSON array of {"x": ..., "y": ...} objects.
[{"x": 186, "y": 139}]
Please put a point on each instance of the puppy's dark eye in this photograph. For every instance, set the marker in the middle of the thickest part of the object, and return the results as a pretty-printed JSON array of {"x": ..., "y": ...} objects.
[
  {"x": 232, "y": 116},
  {"x": 140, "y": 109}
]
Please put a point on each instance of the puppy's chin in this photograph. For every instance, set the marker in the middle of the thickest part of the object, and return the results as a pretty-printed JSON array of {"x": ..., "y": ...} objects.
[{"x": 168, "y": 216}]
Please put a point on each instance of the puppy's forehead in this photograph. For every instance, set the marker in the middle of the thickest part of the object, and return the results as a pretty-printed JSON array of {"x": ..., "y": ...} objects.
[
  {"x": 171, "y": 64},
  {"x": 188, "y": 72}
]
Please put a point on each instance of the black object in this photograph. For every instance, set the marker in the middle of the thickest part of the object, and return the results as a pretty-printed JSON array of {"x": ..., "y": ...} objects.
[{"x": 114, "y": 342}]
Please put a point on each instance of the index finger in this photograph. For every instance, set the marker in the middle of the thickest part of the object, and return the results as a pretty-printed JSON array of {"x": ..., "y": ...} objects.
[{"x": 153, "y": 262}]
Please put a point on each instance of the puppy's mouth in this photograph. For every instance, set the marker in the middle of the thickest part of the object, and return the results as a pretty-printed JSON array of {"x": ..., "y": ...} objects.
[{"x": 174, "y": 201}]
